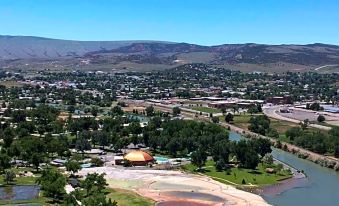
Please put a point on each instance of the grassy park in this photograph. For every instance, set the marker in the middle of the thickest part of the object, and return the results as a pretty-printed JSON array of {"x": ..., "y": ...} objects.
[
  {"x": 10, "y": 83},
  {"x": 126, "y": 198},
  {"x": 235, "y": 176},
  {"x": 206, "y": 109},
  {"x": 122, "y": 197}
]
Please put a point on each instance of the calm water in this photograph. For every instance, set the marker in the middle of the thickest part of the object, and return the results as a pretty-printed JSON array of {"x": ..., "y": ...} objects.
[
  {"x": 19, "y": 192},
  {"x": 321, "y": 188}
]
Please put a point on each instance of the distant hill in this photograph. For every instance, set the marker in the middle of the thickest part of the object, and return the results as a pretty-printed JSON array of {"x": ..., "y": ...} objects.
[
  {"x": 25, "y": 52},
  {"x": 27, "y": 47}
]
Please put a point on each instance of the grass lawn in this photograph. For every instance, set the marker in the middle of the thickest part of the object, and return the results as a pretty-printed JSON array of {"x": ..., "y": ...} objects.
[
  {"x": 206, "y": 109},
  {"x": 283, "y": 138},
  {"x": 256, "y": 177},
  {"x": 122, "y": 197},
  {"x": 21, "y": 181},
  {"x": 9, "y": 84},
  {"x": 241, "y": 121},
  {"x": 126, "y": 198},
  {"x": 40, "y": 200},
  {"x": 282, "y": 126}
]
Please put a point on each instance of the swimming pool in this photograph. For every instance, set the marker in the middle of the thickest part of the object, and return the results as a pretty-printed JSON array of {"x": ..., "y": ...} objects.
[
  {"x": 87, "y": 165},
  {"x": 161, "y": 160}
]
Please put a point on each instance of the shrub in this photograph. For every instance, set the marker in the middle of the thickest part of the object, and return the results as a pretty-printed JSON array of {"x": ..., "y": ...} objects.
[
  {"x": 336, "y": 167},
  {"x": 97, "y": 162},
  {"x": 219, "y": 166},
  {"x": 127, "y": 163}
]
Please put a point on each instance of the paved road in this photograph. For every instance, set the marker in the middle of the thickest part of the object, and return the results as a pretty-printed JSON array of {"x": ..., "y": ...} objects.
[
  {"x": 329, "y": 65},
  {"x": 272, "y": 112}
]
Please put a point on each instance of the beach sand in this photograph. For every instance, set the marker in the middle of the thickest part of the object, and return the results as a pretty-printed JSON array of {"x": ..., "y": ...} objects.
[{"x": 175, "y": 187}]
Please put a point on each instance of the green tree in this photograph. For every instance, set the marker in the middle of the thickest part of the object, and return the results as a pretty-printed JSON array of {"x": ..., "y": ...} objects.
[
  {"x": 321, "y": 118},
  {"x": 117, "y": 111},
  {"x": 176, "y": 111},
  {"x": 94, "y": 111},
  {"x": 259, "y": 124},
  {"x": 198, "y": 158},
  {"x": 293, "y": 133},
  {"x": 229, "y": 118},
  {"x": 97, "y": 162},
  {"x": 52, "y": 183},
  {"x": 8, "y": 137},
  {"x": 82, "y": 144},
  {"x": 98, "y": 199},
  {"x": 304, "y": 124},
  {"x": 267, "y": 159},
  {"x": 149, "y": 111},
  {"x": 215, "y": 120},
  {"x": 262, "y": 146},
  {"x": 9, "y": 176},
  {"x": 220, "y": 153},
  {"x": 94, "y": 182},
  {"x": 73, "y": 197},
  {"x": 36, "y": 160},
  {"x": 71, "y": 109},
  {"x": 246, "y": 154},
  {"x": 4, "y": 162},
  {"x": 72, "y": 166}
]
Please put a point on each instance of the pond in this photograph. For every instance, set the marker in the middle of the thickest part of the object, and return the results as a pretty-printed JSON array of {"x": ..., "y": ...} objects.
[{"x": 19, "y": 192}]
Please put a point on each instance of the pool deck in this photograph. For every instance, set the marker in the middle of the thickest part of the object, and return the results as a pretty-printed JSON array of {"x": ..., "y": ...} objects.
[{"x": 166, "y": 186}]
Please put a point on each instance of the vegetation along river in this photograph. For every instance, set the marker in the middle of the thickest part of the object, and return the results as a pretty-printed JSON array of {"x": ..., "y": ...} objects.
[{"x": 321, "y": 187}]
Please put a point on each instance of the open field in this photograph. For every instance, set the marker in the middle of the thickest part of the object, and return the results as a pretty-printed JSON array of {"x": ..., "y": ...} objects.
[
  {"x": 127, "y": 198},
  {"x": 236, "y": 175},
  {"x": 21, "y": 181},
  {"x": 241, "y": 121},
  {"x": 206, "y": 109},
  {"x": 39, "y": 201},
  {"x": 281, "y": 126},
  {"x": 10, "y": 83}
]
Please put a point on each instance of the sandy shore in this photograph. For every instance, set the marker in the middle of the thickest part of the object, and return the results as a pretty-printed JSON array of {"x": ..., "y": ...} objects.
[{"x": 176, "y": 188}]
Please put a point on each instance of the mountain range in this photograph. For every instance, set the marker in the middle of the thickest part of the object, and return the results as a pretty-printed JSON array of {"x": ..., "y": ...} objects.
[{"x": 37, "y": 53}]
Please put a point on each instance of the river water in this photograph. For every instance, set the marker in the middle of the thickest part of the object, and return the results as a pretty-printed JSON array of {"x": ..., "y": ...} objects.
[{"x": 320, "y": 188}]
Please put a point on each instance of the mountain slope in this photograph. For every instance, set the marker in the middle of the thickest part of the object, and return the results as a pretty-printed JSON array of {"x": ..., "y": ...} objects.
[
  {"x": 43, "y": 53},
  {"x": 26, "y": 47}
]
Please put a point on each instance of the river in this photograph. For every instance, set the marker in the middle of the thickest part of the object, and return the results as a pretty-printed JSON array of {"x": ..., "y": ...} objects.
[{"x": 320, "y": 188}]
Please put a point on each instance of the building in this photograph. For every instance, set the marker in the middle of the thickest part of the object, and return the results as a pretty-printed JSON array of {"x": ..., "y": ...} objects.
[
  {"x": 139, "y": 158},
  {"x": 280, "y": 100},
  {"x": 241, "y": 103}
]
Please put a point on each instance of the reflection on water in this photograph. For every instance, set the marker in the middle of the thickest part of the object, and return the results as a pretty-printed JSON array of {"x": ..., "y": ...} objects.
[
  {"x": 19, "y": 192},
  {"x": 321, "y": 187},
  {"x": 283, "y": 186},
  {"x": 181, "y": 203},
  {"x": 195, "y": 195}
]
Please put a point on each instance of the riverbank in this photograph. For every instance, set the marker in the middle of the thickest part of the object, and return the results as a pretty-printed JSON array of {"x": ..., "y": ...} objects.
[
  {"x": 325, "y": 161},
  {"x": 240, "y": 177}
]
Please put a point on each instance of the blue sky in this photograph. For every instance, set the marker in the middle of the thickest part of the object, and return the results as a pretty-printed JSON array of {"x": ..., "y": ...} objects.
[{"x": 207, "y": 22}]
